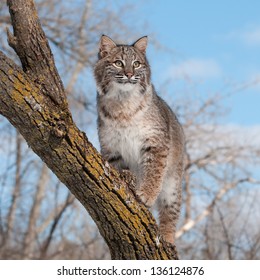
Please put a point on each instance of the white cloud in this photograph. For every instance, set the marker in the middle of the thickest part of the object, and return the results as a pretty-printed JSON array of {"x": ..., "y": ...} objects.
[
  {"x": 252, "y": 36},
  {"x": 247, "y": 135},
  {"x": 249, "y": 35},
  {"x": 196, "y": 68},
  {"x": 228, "y": 140}
]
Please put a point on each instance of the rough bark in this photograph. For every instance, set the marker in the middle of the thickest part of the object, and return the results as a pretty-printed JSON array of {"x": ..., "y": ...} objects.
[{"x": 34, "y": 101}]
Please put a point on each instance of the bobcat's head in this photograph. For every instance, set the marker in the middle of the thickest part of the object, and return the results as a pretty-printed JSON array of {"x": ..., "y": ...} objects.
[{"x": 125, "y": 65}]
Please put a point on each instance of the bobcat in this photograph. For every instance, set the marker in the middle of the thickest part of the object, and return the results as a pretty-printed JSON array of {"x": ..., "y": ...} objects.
[{"x": 137, "y": 130}]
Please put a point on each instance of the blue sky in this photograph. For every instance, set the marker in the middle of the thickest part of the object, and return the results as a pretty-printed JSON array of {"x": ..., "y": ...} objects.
[{"x": 215, "y": 43}]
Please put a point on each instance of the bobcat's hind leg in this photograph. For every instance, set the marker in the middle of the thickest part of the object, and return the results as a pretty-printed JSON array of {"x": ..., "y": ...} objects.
[{"x": 169, "y": 203}]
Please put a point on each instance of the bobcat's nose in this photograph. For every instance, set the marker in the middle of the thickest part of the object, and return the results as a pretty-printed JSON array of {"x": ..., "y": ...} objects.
[{"x": 129, "y": 75}]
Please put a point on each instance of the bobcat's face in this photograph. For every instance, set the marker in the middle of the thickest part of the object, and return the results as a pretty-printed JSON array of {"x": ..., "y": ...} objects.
[
  {"x": 125, "y": 65},
  {"x": 122, "y": 66}
]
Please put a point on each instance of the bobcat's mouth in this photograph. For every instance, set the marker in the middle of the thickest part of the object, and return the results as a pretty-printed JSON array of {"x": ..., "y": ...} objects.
[
  {"x": 121, "y": 79},
  {"x": 126, "y": 81}
]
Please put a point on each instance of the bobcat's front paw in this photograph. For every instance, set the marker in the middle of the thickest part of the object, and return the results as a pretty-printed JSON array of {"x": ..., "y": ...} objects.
[{"x": 147, "y": 199}]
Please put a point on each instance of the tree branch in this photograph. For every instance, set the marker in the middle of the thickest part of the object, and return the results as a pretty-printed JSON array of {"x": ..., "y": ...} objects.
[
  {"x": 208, "y": 210},
  {"x": 33, "y": 100}
]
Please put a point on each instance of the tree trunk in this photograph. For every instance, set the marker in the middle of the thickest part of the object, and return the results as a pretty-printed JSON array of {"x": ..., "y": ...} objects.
[{"x": 34, "y": 101}]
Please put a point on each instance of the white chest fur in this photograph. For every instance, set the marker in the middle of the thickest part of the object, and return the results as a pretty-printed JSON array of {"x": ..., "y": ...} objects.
[
  {"x": 126, "y": 140},
  {"x": 124, "y": 133}
]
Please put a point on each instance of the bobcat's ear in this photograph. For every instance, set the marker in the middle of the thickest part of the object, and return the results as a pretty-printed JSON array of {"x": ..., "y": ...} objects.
[
  {"x": 141, "y": 44},
  {"x": 106, "y": 44}
]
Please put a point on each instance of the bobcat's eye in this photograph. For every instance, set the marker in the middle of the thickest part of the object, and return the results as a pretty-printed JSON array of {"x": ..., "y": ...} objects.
[
  {"x": 118, "y": 63},
  {"x": 136, "y": 64}
]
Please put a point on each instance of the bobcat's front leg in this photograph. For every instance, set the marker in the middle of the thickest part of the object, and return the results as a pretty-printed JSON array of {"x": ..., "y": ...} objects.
[
  {"x": 151, "y": 172},
  {"x": 114, "y": 159}
]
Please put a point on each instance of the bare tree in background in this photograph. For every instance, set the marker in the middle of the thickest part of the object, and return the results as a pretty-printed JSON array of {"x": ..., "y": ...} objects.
[{"x": 220, "y": 186}]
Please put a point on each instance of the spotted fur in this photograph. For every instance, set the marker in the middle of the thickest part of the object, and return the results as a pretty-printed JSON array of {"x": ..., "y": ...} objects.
[{"x": 137, "y": 130}]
